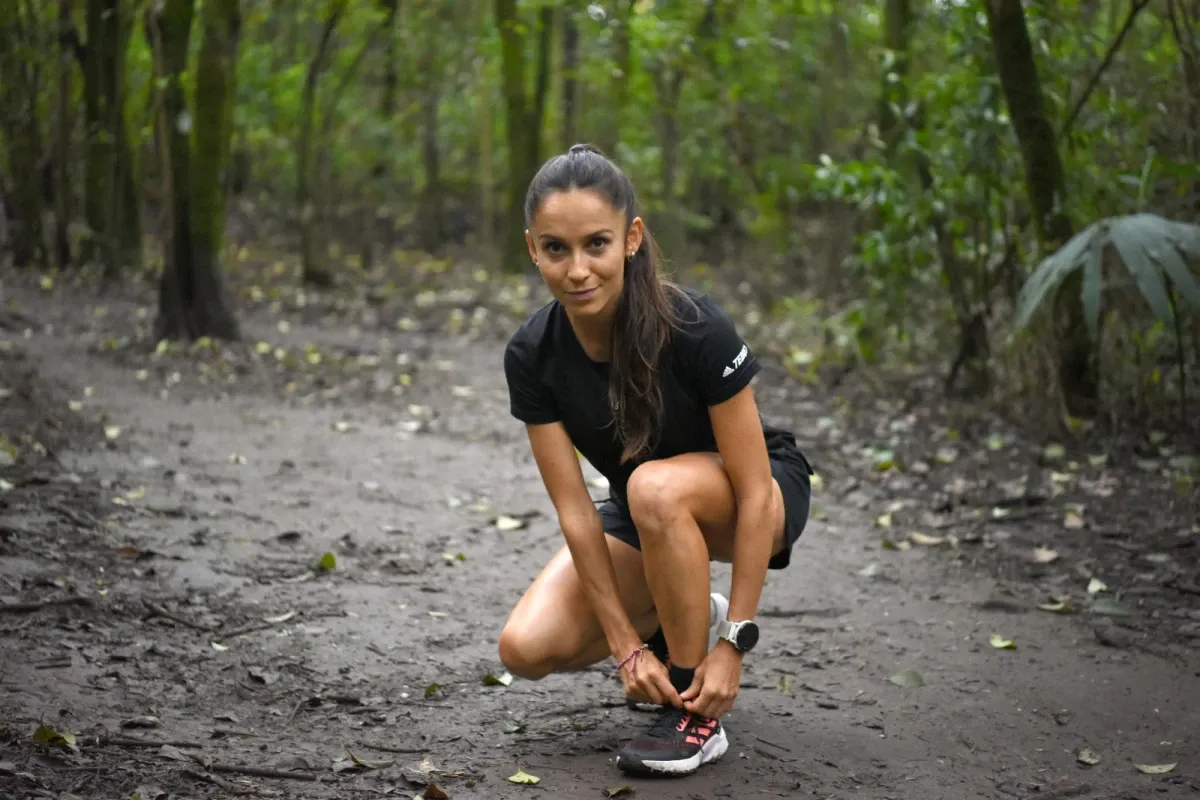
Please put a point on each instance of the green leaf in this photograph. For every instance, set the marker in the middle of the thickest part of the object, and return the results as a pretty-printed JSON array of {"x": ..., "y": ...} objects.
[
  {"x": 1170, "y": 259},
  {"x": 1093, "y": 279},
  {"x": 1132, "y": 239},
  {"x": 327, "y": 562},
  {"x": 908, "y": 678},
  {"x": 522, "y": 776},
  {"x": 1049, "y": 275},
  {"x": 1155, "y": 769}
]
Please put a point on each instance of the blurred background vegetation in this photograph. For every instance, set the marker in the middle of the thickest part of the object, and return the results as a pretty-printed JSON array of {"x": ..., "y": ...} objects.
[{"x": 1003, "y": 191}]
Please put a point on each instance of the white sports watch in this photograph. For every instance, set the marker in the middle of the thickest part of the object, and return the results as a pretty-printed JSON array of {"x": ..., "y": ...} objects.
[{"x": 742, "y": 635}]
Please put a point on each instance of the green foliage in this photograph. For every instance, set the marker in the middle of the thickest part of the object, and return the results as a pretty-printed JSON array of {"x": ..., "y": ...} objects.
[{"x": 1154, "y": 251}]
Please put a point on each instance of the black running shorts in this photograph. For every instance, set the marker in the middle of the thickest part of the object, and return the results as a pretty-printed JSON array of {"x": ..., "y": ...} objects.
[{"x": 789, "y": 469}]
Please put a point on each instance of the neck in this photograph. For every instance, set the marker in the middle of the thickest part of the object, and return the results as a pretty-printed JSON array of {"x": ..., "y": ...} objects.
[{"x": 594, "y": 333}]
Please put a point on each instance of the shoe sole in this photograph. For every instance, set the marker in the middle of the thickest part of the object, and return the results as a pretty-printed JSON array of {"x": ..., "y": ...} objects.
[
  {"x": 712, "y": 750},
  {"x": 718, "y": 609}
]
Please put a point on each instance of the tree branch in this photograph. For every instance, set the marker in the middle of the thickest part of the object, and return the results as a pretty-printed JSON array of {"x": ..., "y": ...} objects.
[{"x": 1134, "y": 10}]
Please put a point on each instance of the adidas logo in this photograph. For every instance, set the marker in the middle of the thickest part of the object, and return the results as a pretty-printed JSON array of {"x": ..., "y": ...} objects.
[{"x": 737, "y": 362}]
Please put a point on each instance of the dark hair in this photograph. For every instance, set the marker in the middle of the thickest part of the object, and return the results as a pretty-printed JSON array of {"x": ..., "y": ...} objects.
[{"x": 645, "y": 314}]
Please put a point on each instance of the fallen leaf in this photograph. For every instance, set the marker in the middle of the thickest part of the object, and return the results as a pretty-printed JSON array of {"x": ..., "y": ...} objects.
[
  {"x": 522, "y": 776},
  {"x": 870, "y": 570},
  {"x": 365, "y": 764},
  {"x": 431, "y": 690},
  {"x": 505, "y": 679},
  {"x": 507, "y": 523},
  {"x": 1000, "y": 643},
  {"x": 1156, "y": 769},
  {"x": 327, "y": 562},
  {"x": 1056, "y": 607},
  {"x": 1087, "y": 756},
  {"x": 884, "y": 520},
  {"x": 1072, "y": 521},
  {"x": 1044, "y": 555},
  {"x": 49, "y": 737},
  {"x": 1095, "y": 586},
  {"x": 280, "y": 618},
  {"x": 785, "y": 685},
  {"x": 112, "y": 431},
  {"x": 908, "y": 678},
  {"x": 617, "y": 791},
  {"x": 1053, "y": 452},
  {"x": 433, "y": 792},
  {"x": 925, "y": 539}
]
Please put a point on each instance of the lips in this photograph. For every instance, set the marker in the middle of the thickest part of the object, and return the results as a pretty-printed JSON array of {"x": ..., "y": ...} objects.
[{"x": 583, "y": 294}]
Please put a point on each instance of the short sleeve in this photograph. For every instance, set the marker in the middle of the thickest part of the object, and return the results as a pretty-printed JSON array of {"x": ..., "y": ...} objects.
[
  {"x": 529, "y": 398},
  {"x": 721, "y": 361}
]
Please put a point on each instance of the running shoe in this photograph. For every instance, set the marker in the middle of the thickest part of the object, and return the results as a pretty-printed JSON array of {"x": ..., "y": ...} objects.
[{"x": 678, "y": 743}]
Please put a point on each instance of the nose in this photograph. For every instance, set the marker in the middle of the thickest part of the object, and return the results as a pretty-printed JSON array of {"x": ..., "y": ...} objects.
[{"x": 578, "y": 269}]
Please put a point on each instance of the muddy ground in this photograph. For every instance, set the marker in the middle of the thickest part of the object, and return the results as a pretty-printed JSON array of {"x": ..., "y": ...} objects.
[{"x": 169, "y": 606}]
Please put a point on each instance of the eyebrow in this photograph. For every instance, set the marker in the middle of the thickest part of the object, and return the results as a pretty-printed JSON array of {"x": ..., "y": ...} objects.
[{"x": 550, "y": 236}]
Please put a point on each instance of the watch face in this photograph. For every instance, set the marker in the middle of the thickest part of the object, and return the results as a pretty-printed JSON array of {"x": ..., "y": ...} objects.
[{"x": 747, "y": 637}]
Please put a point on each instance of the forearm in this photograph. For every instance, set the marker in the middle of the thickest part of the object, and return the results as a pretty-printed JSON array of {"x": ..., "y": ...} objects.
[
  {"x": 589, "y": 550},
  {"x": 752, "y": 546}
]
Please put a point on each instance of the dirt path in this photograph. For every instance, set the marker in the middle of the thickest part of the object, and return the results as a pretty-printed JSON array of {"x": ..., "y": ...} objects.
[{"x": 206, "y": 613}]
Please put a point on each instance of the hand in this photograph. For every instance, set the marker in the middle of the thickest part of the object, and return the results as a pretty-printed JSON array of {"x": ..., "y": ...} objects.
[
  {"x": 647, "y": 681},
  {"x": 716, "y": 683}
]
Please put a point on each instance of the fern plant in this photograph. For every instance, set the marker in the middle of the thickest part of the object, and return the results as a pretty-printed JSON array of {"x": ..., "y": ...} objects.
[{"x": 1154, "y": 250}]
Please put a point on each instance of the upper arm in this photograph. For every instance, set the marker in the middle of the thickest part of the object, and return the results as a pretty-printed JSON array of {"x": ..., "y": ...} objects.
[
  {"x": 723, "y": 367},
  {"x": 561, "y": 472},
  {"x": 737, "y": 428}
]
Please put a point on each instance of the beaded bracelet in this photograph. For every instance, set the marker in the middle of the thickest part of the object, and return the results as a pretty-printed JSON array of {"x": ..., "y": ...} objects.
[{"x": 631, "y": 657}]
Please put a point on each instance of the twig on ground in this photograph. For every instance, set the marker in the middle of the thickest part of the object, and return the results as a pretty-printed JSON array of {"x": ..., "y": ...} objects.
[
  {"x": 80, "y": 518},
  {"x": 259, "y": 772},
  {"x": 124, "y": 741},
  {"x": 204, "y": 777},
  {"x": 158, "y": 611},
  {"x": 768, "y": 741},
  {"x": 399, "y": 750},
  {"x": 21, "y": 608},
  {"x": 1062, "y": 792}
]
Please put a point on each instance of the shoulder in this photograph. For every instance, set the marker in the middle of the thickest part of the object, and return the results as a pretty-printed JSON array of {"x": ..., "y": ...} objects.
[
  {"x": 534, "y": 336},
  {"x": 696, "y": 313}
]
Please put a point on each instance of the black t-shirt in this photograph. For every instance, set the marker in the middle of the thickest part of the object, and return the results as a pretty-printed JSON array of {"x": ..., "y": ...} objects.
[{"x": 552, "y": 379}]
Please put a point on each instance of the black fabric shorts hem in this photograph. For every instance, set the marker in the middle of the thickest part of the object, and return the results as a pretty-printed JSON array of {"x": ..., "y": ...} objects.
[{"x": 790, "y": 470}]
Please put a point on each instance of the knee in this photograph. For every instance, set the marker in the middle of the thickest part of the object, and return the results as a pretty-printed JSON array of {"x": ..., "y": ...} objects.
[
  {"x": 522, "y": 655},
  {"x": 656, "y": 496}
]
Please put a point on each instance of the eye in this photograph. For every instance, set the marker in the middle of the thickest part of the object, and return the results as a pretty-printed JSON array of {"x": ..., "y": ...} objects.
[
  {"x": 597, "y": 242},
  {"x": 553, "y": 248}
]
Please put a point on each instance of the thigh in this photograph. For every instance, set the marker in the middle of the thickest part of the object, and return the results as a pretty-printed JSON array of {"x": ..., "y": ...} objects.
[
  {"x": 555, "y": 616},
  {"x": 698, "y": 483}
]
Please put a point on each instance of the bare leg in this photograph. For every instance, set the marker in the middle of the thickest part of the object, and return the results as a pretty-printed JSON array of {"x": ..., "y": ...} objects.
[
  {"x": 552, "y": 628},
  {"x": 686, "y": 515}
]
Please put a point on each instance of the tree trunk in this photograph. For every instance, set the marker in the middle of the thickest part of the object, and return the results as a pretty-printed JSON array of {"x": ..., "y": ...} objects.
[
  {"x": 312, "y": 262},
  {"x": 112, "y": 207},
  {"x": 541, "y": 86},
  {"x": 893, "y": 96},
  {"x": 570, "y": 78},
  {"x": 192, "y": 301},
  {"x": 20, "y": 85},
  {"x": 486, "y": 146},
  {"x": 619, "y": 87},
  {"x": 432, "y": 221},
  {"x": 1046, "y": 186},
  {"x": 520, "y": 170},
  {"x": 62, "y": 158}
]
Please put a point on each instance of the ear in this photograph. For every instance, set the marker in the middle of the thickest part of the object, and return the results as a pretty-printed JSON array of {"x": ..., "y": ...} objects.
[
  {"x": 529, "y": 244},
  {"x": 633, "y": 238}
]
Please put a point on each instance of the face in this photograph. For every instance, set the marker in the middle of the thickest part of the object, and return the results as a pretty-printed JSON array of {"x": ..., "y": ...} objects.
[{"x": 579, "y": 243}]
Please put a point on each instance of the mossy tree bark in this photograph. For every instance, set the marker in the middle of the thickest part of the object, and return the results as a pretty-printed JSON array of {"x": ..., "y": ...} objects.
[{"x": 1046, "y": 186}]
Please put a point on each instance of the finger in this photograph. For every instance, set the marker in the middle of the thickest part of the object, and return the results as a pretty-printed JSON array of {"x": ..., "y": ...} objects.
[{"x": 669, "y": 695}]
